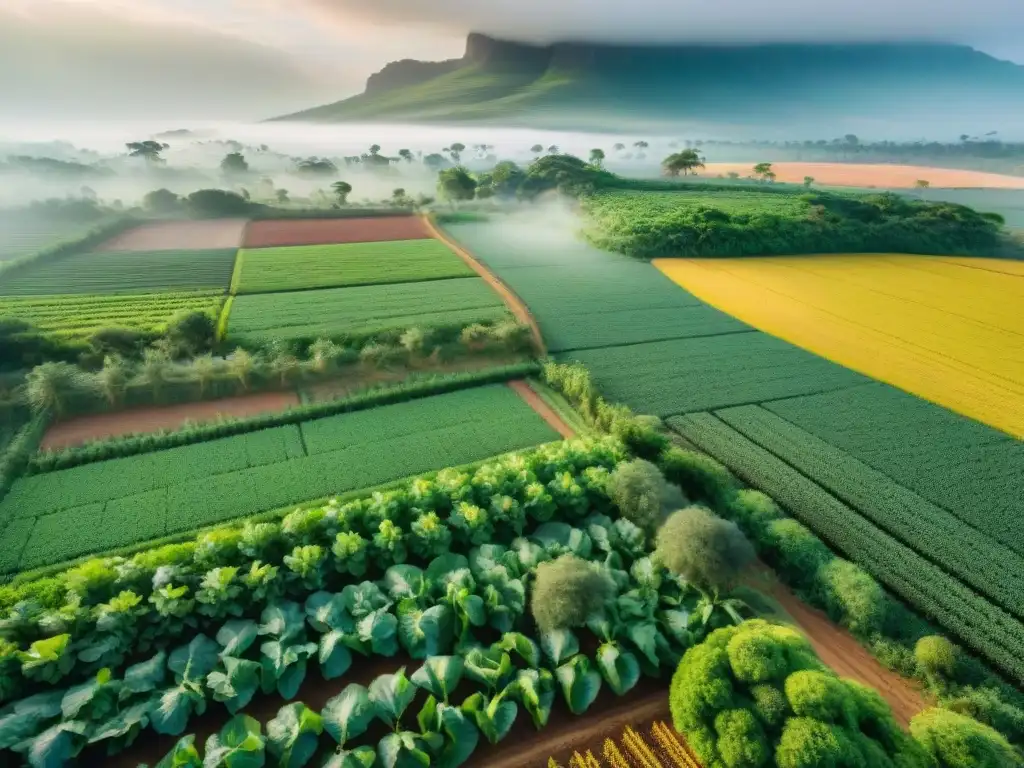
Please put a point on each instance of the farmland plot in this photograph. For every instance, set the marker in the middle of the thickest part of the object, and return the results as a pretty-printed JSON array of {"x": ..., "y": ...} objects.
[
  {"x": 24, "y": 235},
  {"x": 363, "y": 311},
  {"x": 123, "y": 272},
  {"x": 267, "y": 234},
  {"x": 61, "y": 515},
  {"x": 179, "y": 236},
  {"x": 266, "y": 270}
]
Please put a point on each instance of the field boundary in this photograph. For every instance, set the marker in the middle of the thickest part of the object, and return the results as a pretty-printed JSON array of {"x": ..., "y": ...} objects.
[
  {"x": 522, "y": 388},
  {"x": 511, "y": 299}
]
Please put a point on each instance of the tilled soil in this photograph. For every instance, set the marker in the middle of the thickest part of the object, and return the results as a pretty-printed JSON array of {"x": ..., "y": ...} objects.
[
  {"x": 178, "y": 236},
  {"x": 285, "y": 232}
]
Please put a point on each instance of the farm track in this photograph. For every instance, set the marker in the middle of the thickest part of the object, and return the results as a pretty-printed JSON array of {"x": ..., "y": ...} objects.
[
  {"x": 178, "y": 236},
  {"x": 875, "y": 175},
  {"x": 511, "y": 299},
  {"x": 545, "y": 411}
]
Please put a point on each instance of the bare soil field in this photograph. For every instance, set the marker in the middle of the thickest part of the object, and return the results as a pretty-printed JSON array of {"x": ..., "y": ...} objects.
[
  {"x": 153, "y": 419},
  {"x": 868, "y": 175},
  {"x": 543, "y": 409},
  {"x": 285, "y": 232},
  {"x": 177, "y": 236}
]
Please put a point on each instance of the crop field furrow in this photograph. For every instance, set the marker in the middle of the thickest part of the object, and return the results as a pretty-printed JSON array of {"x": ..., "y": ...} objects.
[
  {"x": 990, "y": 631},
  {"x": 64, "y": 514},
  {"x": 993, "y": 569},
  {"x": 22, "y": 235}
]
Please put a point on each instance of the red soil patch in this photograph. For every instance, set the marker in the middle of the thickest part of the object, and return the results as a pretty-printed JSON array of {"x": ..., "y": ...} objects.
[
  {"x": 284, "y": 232},
  {"x": 874, "y": 175},
  {"x": 140, "y": 420},
  {"x": 178, "y": 236},
  {"x": 512, "y": 301},
  {"x": 543, "y": 409}
]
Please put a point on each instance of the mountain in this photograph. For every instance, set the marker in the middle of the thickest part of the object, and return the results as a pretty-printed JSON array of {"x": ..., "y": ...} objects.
[{"x": 574, "y": 84}]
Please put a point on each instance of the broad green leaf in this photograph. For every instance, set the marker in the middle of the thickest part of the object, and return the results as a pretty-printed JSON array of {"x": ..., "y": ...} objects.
[
  {"x": 645, "y": 573},
  {"x": 523, "y": 646},
  {"x": 528, "y": 554},
  {"x": 57, "y": 746},
  {"x": 557, "y": 538},
  {"x": 348, "y": 714},
  {"x": 283, "y": 620},
  {"x": 360, "y": 757},
  {"x": 196, "y": 660},
  {"x": 460, "y": 737},
  {"x": 559, "y": 645},
  {"x": 361, "y": 600},
  {"x": 491, "y": 666},
  {"x": 293, "y": 735},
  {"x": 493, "y": 717},
  {"x": 48, "y": 659},
  {"x": 424, "y": 633},
  {"x": 145, "y": 676},
  {"x": 487, "y": 557},
  {"x": 676, "y": 624},
  {"x": 428, "y": 718},
  {"x": 580, "y": 684},
  {"x": 236, "y": 684},
  {"x": 284, "y": 666},
  {"x": 620, "y": 669},
  {"x": 644, "y": 636},
  {"x": 27, "y": 717},
  {"x": 182, "y": 755},
  {"x": 106, "y": 647},
  {"x": 335, "y": 657},
  {"x": 404, "y": 581},
  {"x": 441, "y": 568},
  {"x": 92, "y": 700},
  {"x": 392, "y": 695},
  {"x": 124, "y": 727},
  {"x": 236, "y": 636},
  {"x": 439, "y": 676},
  {"x": 174, "y": 708},
  {"x": 15, "y": 729},
  {"x": 380, "y": 629},
  {"x": 240, "y": 744},
  {"x": 402, "y": 750},
  {"x": 326, "y": 612},
  {"x": 535, "y": 689}
]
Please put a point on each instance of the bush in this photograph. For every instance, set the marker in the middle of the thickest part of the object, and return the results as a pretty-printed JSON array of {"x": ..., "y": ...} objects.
[
  {"x": 643, "y": 497},
  {"x": 218, "y": 202},
  {"x": 642, "y": 435},
  {"x": 566, "y": 592},
  {"x": 852, "y": 597},
  {"x": 936, "y": 656},
  {"x": 704, "y": 549},
  {"x": 756, "y": 695},
  {"x": 700, "y": 476},
  {"x": 955, "y": 741},
  {"x": 795, "y": 550},
  {"x": 192, "y": 333},
  {"x": 124, "y": 342}
]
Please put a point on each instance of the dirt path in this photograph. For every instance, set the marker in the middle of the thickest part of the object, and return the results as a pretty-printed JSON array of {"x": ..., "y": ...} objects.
[
  {"x": 874, "y": 175},
  {"x": 514, "y": 303},
  {"x": 545, "y": 411},
  {"x": 153, "y": 419}
]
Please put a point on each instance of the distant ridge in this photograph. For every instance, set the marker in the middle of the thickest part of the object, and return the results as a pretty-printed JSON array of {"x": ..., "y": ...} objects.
[{"x": 570, "y": 83}]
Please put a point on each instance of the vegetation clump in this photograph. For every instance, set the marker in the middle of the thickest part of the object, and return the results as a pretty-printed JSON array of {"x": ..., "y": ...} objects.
[
  {"x": 568, "y": 591},
  {"x": 643, "y": 497},
  {"x": 704, "y": 549},
  {"x": 956, "y": 741}
]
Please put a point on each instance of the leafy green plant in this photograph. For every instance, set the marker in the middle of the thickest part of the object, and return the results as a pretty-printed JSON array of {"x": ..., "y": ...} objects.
[
  {"x": 239, "y": 744},
  {"x": 190, "y": 665},
  {"x": 293, "y": 735},
  {"x": 283, "y": 658}
]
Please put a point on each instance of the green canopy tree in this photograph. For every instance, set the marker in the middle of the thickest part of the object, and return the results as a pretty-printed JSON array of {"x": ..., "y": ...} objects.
[
  {"x": 342, "y": 189},
  {"x": 148, "y": 150},
  {"x": 596, "y": 157},
  {"x": 682, "y": 162},
  {"x": 456, "y": 184}
]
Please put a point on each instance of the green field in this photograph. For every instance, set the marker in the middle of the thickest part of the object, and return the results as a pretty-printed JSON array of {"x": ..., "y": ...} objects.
[
  {"x": 363, "y": 311},
  {"x": 78, "y": 316},
  {"x": 123, "y": 272},
  {"x": 24, "y": 235},
  {"x": 266, "y": 270},
  {"x": 61, "y": 515}
]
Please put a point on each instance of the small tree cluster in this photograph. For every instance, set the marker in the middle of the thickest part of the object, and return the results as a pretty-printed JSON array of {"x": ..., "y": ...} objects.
[
  {"x": 706, "y": 550},
  {"x": 643, "y": 497},
  {"x": 567, "y": 591},
  {"x": 956, "y": 741}
]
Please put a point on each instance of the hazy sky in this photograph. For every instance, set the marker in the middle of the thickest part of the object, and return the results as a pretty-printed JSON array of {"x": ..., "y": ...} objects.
[{"x": 255, "y": 58}]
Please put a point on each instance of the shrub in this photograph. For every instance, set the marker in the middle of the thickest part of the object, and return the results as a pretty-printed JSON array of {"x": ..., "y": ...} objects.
[
  {"x": 192, "y": 333},
  {"x": 704, "y": 549},
  {"x": 642, "y": 435},
  {"x": 218, "y": 202},
  {"x": 852, "y": 597},
  {"x": 700, "y": 476},
  {"x": 126, "y": 342},
  {"x": 796, "y": 551},
  {"x": 955, "y": 741},
  {"x": 639, "y": 490},
  {"x": 566, "y": 592},
  {"x": 986, "y": 706},
  {"x": 753, "y": 511},
  {"x": 936, "y": 656}
]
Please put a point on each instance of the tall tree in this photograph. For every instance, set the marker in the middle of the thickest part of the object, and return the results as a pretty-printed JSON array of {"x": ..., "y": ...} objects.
[
  {"x": 405, "y": 154},
  {"x": 537, "y": 149},
  {"x": 596, "y": 157},
  {"x": 234, "y": 163},
  {"x": 764, "y": 172},
  {"x": 150, "y": 150},
  {"x": 682, "y": 162},
  {"x": 342, "y": 189},
  {"x": 455, "y": 184},
  {"x": 456, "y": 150}
]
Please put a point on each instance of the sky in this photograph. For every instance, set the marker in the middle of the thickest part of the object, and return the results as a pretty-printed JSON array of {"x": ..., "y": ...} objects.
[{"x": 248, "y": 59}]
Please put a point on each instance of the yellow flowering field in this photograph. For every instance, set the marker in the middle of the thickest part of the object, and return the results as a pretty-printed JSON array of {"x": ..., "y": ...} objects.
[{"x": 948, "y": 329}]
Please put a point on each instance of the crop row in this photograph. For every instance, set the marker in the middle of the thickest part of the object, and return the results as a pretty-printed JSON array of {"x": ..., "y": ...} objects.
[
  {"x": 969, "y": 469},
  {"x": 363, "y": 311},
  {"x": 80, "y": 316},
  {"x": 662, "y": 747},
  {"x": 22, "y": 235},
  {"x": 123, "y": 272},
  {"x": 992, "y": 569},
  {"x": 65, "y": 514},
  {"x": 266, "y": 270},
  {"x": 686, "y": 375},
  {"x": 986, "y": 628}
]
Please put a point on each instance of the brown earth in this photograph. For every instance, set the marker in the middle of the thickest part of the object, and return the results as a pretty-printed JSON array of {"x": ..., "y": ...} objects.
[
  {"x": 285, "y": 232},
  {"x": 874, "y": 175},
  {"x": 178, "y": 236},
  {"x": 152, "y": 419},
  {"x": 514, "y": 303},
  {"x": 545, "y": 411}
]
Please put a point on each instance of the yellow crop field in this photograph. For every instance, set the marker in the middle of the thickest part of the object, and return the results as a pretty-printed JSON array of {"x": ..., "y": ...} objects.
[{"x": 950, "y": 330}]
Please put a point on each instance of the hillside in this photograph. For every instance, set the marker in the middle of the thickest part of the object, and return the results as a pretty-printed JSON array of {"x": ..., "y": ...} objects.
[{"x": 570, "y": 83}]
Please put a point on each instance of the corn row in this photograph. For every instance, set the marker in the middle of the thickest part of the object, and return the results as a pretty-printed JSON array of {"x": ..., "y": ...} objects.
[
  {"x": 584, "y": 761},
  {"x": 672, "y": 746},
  {"x": 636, "y": 745},
  {"x": 613, "y": 755}
]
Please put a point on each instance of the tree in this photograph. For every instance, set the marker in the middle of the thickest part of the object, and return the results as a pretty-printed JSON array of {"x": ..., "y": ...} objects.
[
  {"x": 764, "y": 172},
  {"x": 936, "y": 656},
  {"x": 192, "y": 333},
  {"x": 241, "y": 364},
  {"x": 641, "y": 145},
  {"x": 922, "y": 184},
  {"x": 704, "y": 549},
  {"x": 567, "y": 591},
  {"x": 161, "y": 201},
  {"x": 155, "y": 370},
  {"x": 435, "y": 162},
  {"x": 218, "y": 202},
  {"x": 315, "y": 166},
  {"x": 281, "y": 195},
  {"x": 506, "y": 178},
  {"x": 537, "y": 149},
  {"x": 375, "y": 149},
  {"x": 732, "y": 175},
  {"x": 204, "y": 368},
  {"x": 640, "y": 492},
  {"x": 956, "y": 741},
  {"x": 48, "y": 386},
  {"x": 284, "y": 364},
  {"x": 619, "y": 146},
  {"x": 234, "y": 164},
  {"x": 149, "y": 150},
  {"x": 808, "y": 181},
  {"x": 596, "y": 157},
  {"x": 405, "y": 154},
  {"x": 455, "y": 184},
  {"x": 322, "y": 354},
  {"x": 112, "y": 378},
  {"x": 685, "y": 161},
  {"x": 342, "y": 189},
  {"x": 456, "y": 150},
  {"x": 553, "y": 149}
]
